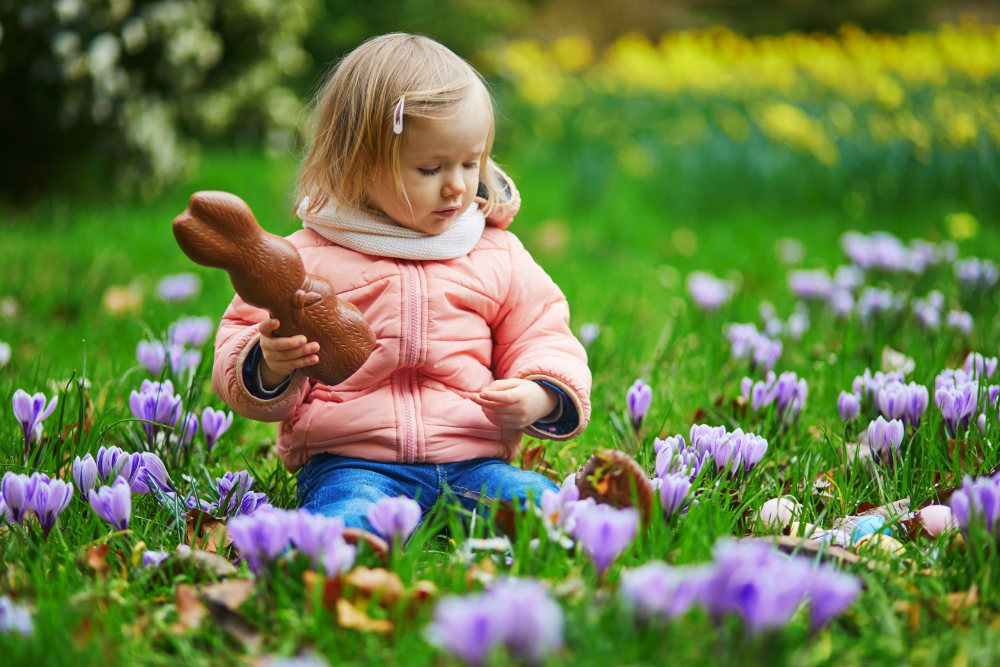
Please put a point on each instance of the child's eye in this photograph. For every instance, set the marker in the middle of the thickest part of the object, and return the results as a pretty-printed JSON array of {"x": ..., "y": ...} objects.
[
  {"x": 471, "y": 165},
  {"x": 429, "y": 172}
]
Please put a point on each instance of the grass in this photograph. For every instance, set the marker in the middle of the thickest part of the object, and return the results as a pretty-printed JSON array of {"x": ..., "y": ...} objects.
[{"x": 616, "y": 251}]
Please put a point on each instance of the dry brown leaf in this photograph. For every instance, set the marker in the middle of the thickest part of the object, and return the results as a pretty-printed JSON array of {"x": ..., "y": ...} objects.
[
  {"x": 961, "y": 601},
  {"x": 377, "y": 582},
  {"x": 349, "y": 616},
  {"x": 484, "y": 572},
  {"x": 96, "y": 557},
  {"x": 358, "y": 537},
  {"x": 201, "y": 561},
  {"x": 230, "y": 593},
  {"x": 189, "y": 607},
  {"x": 424, "y": 591},
  {"x": 332, "y": 589},
  {"x": 912, "y": 610},
  {"x": 205, "y": 532},
  {"x": 234, "y": 623}
]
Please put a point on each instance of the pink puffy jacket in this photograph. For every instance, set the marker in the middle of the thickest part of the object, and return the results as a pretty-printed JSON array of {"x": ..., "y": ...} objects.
[{"x": 444, "y": 328}]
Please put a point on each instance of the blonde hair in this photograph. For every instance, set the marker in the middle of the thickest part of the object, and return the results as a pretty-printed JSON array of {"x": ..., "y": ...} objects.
[{"x": 350, "y": 127}]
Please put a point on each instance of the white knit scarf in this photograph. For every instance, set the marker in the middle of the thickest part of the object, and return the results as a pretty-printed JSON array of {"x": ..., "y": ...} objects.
[{"x": 375, "y": 233}]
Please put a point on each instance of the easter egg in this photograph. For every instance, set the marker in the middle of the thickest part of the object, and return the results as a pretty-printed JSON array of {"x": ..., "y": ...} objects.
[
  {"x": 887, "y": 544},
  {"x": 778, "y": 512},
  {"x": 801, "y": 529},
  {"x": 937, "y": 519},
  {"x": 867, "y": 525}
]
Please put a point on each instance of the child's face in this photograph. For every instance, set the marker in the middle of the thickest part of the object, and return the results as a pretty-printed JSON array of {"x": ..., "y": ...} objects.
[{"x": 439, "y": 167}]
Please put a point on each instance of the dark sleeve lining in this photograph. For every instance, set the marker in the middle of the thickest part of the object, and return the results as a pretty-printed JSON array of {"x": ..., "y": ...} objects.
[
  {"x": 566, "y": 417},
  {"x": 251, "y": 376}
]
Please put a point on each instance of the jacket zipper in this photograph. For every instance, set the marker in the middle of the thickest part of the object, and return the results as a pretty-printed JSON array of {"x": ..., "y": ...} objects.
[{"x": 411, "y": 355}]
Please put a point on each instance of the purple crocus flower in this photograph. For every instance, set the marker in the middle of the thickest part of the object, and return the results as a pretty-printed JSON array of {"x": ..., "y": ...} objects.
[
  {"x": 830, "y": 594},
  {"x": 153, "y": 558},
  {"x": 261, "y": 537},
  {"x": 156, "y": 403},
  {"x": 707, "y": 291},
  {"x": 113, "y": 503},
  {"x": 182, "y": 359},
  {"x": 310, "y": 533},
  {"x": 849, "y": 406},
  {"x": 673, "y": 455},
  {"x": 927, "y": 315},
  {"x": 178, "y": 287},
  {"x": 746, "y": 385},
  {"x": 15, "y": 618},
  {"x": 152, "y": 473},
  {"x": 840, "y": 304},
  {"x": 251, "y": 502},
  {"x": 752, "y": 448},
  {"x": 232, "y": 488},
  {"x": 466, "y": 627},
  {"x": 185, "y": 430},
  {"x": 673, "y": 492},
  {"x": 605, "y": 532},
  {"x": 916, "y": 404},
  {"x": 978, "y": 501},
  {"x": 589, "y": 333},
  {"x": 14, "y": 491},
  {"x": 638, "y": 398},
  {"x": 213, "y": 424},
  {"x": 49, "y": 497},
  {"x": 114, "y": 462},
  {"x": 810, "y": 284},
  {"x": 85, "y": 474},
  {"x": 884, "y": 439},
  {"x": 960, "y": 321},
  {"x": 893, "y": 399},
  {"x": 190, "y": 331},
  {"x": 657, "y": 589},
  {"x": 338, "y": 556},
  {"x": 30, "y": 411},
  {"x": 534, "y": 621},
  {"x": 555, "y": 504},
  {"x": 151, "y": 355},
  {"x": 394, "y": 518},
  {"x": 976, "y": 365}
]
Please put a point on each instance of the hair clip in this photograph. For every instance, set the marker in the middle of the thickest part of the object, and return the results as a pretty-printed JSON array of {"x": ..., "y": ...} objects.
[{"x": 397, "y": 116}]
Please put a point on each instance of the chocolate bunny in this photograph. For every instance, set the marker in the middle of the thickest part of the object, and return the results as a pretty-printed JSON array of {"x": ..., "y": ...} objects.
[{"x": 218, "y": 229}]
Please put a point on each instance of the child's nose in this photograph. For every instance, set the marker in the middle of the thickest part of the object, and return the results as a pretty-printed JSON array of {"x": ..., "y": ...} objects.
[{"x": 454, "y": 186}]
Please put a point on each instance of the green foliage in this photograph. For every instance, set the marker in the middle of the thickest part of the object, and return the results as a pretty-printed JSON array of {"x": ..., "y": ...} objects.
[{"x": 99, "y": 88}]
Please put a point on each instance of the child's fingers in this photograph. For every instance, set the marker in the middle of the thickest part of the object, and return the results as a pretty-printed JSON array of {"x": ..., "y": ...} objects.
[
  {"x": 508, "y": 396},
  {"x": 267, "y": 327},
  {"x": 492, "y": 405}
]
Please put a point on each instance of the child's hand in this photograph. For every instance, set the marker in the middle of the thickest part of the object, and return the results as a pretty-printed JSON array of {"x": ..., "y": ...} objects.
[
  {"x": 282, "y": 354},
  {"x": 515, "y": 404}
]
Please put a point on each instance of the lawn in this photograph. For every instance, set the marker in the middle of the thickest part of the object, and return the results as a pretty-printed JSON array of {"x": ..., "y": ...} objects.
[{"x": 621, "y": 248}]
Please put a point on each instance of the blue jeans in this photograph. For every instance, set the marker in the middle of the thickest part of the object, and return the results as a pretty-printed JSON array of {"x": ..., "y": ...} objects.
[{"x": 347, "y": 487}]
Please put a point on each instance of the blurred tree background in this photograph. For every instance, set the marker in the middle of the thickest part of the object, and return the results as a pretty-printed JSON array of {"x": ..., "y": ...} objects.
[{"x": 116, "y": 97}]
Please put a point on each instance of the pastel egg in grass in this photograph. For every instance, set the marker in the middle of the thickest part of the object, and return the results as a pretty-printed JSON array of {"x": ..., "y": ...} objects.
[
  {"x": 868, "y": 525},
  {"x": 880, "y": 541},
  {"x": 777, "y": 513},
  {"x": 937, "y": 519}
]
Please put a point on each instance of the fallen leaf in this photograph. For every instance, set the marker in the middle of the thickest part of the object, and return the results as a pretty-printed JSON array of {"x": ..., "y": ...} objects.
[
  {"x": 423, "y": 591},
  {"x": 231, "y": 593},
  {"x": 332, "y": 589},
  {"x": 96, "y": 557},
  {"x": 349, "y": 616},
  {"x": 201, "y": 562},
  {"x": 189, "y": 608},
  {"x": 377, "y": 582},
  {"x": 912, "y": 610},
  {"x": 961, "y": 601},
  {"x": 233, "y": 623},
  {"x": 484, "y": 572},
  {"x": 359, "y": 537},
  {"x": 205, "y": 532}
]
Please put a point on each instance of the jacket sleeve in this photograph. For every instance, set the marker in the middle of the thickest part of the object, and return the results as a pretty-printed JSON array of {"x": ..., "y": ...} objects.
[
  {"x": 235, "y": 340},
  {"x": 532, "y": 339}
]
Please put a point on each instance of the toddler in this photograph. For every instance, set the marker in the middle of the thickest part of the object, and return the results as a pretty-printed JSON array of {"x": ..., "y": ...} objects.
[{"x": 405, "y": 214}]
